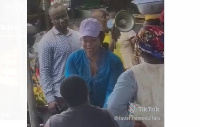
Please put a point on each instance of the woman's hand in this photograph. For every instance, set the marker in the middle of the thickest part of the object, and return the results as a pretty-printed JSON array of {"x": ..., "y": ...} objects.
[{"x": 115, "y": 33}]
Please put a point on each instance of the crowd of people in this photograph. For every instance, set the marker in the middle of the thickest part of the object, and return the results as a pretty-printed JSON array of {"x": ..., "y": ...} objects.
[{"x": 86, "y": 82}]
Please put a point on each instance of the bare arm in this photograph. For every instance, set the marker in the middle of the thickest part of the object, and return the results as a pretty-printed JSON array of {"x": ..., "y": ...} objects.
[
  {"x": 115, "y": 34},
  {"x": 112, "y": 45}
]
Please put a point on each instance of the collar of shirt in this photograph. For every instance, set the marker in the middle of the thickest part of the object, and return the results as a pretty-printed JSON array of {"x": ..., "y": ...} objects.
[
  {"x": 55, "y": 31},
  {"x": 79, "y": 106}
]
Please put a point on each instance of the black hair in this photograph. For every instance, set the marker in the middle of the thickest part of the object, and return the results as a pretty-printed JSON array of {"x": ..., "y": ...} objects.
[
  {"x": 74, "y": 91},
  {"x": 101, "y": 36},
  {"x": 105, "y": 45}
]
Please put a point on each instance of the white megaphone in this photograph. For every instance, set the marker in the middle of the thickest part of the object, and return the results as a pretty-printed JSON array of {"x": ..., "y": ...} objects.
[{"x": 124, "y": 21}]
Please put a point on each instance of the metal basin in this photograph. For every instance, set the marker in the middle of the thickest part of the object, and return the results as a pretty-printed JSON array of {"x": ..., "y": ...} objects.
[{"x": 150, "y": 6}]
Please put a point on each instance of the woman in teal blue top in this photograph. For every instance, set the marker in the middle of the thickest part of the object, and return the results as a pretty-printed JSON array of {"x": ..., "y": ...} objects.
[{"x": 98, "y": 66}]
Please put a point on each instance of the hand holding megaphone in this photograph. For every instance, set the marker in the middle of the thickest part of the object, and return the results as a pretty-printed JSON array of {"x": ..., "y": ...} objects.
[
  {"x": 123, "y": 22},
  {"x": 115, "y": 33}
]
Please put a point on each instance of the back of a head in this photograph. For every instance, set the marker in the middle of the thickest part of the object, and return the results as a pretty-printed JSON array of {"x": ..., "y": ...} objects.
[
  {"x": 150, "y": 42},
  {"x": 99, "y": 12},
  {"x": 74, "y": 91},
  {"x": 56, "y": 5}
]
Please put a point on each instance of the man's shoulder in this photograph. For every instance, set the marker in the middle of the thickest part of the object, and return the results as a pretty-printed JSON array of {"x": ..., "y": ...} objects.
[
  {"x": 142, "y": 65},
  {"x": 86, "y": 113},
  {"x": 48, "y": 37},
  {"x": 57, "y": 120},
  {"x": 100, "y": 111}
]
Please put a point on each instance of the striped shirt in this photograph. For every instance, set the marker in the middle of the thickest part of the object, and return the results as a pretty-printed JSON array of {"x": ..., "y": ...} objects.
[{"x": 54, "y": 49}]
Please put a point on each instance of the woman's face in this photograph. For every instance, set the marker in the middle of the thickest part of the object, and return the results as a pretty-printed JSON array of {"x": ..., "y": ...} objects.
[{"x": 91, "y": 45}]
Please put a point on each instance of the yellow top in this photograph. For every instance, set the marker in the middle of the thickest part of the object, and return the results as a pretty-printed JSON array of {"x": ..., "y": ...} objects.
[{"x": 107, "y": 39}]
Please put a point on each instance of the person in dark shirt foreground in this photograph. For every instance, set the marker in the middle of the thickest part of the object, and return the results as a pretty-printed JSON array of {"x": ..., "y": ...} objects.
[{"x": 80, "y": 113}]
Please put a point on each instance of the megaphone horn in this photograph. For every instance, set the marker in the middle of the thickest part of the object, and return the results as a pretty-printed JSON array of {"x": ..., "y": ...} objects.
[{"x": 124, "y": 21}]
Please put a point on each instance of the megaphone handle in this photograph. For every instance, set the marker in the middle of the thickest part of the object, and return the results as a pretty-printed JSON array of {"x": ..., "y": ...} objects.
[{"x": 112, "y": 32}]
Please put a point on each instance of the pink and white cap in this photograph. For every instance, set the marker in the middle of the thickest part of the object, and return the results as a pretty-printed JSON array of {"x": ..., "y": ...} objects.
[{"x": 90, "y": 27}]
